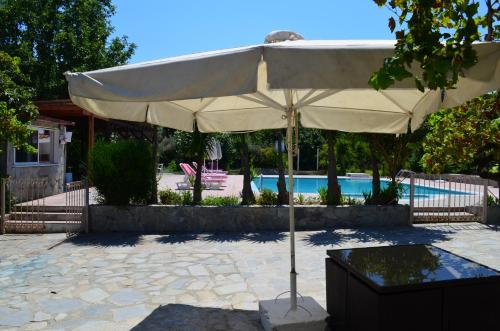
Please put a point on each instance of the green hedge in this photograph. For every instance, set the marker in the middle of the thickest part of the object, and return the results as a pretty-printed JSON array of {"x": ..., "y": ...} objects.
[
  {"x": 121, "y": 171},
  {"x": 169, "y": 197},
  {"x": 221, "y": 201},
  {"x": 267, "y": 198}
]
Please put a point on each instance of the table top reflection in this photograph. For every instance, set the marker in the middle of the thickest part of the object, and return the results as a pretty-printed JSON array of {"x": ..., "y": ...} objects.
[{"x": 405, "y": 265}]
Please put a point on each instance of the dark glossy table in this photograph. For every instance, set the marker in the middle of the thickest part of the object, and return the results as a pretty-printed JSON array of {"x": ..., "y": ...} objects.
[{"x": 410, "y": 287}]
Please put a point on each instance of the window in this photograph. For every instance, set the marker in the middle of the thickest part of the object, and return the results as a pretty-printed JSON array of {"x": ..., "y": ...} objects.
[{"x": 40, "y": 139}]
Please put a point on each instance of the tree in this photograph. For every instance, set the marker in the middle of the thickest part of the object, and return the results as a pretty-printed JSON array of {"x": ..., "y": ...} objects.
[
  {"x": 247, "y": 196},
  {"x": 437, "y": 35},
  {"x": 199, "y": 148},
  {"x": 16, "y": 108},
  {"x": 375, "y": 167},
  {"x": 395, "y": 150},
  {"x": 333, "y": 196},
  {"x": 54, "y": 36},
  {"x": 282, "y": 192},
  {"x": 465, "y": 138},
  {"x": 310, "y": 140},
  {"x": 153, "y": 199}
]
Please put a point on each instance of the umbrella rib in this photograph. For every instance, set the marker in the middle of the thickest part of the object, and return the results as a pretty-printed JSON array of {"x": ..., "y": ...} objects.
[
  {"x": 265, "y": 101},
  {"x": 360, "y": 109},
  {"x": 237, "y": 109},
  {"x": 180, "y": 106},
  {"x": 394, "y": 102},
  {"x": 208, "y": 103},
  {"x": 272, "y": 103},
  {"x": 304, "y": 98},
  {"x": 322, "y": 95},
  {"x": 421, "y": 100}
]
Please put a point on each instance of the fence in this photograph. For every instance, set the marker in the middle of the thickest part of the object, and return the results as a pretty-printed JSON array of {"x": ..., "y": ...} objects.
[
  {"x": 76, "y": 197},
  {"x": 25, "y": 208},
  {"x": 445, "y": 197},
  {"x": 23, "y": 201}
]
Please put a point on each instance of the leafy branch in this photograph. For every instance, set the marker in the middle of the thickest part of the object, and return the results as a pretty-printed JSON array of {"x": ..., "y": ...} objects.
[{"x": 433, "y": 41}]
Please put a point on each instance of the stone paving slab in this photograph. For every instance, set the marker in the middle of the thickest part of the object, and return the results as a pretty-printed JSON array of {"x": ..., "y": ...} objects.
[{"x": 184, "y": 282}]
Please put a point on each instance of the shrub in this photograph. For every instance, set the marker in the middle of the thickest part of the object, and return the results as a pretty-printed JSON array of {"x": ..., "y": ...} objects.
[
  {"x": 348, "y": 201},
  {"x": 253, "y": 173},
  {"x": 388, "y": 196},
  {"x": 300, "y": 199},
  {"x": 323, "y": 192},
  {"x": 121, "y": 171},
  {"x": 267, "y": 198},
  {"x": 170, "y": 197},
  {"x": 312, "y": 200},
  {"x": 221, "y": 201},
  {"x": 172, "y": 166},
  {"x": 268, "y": 157},
  {"x": 493, "y": 201},
  {"x": 187, "y": 198}
]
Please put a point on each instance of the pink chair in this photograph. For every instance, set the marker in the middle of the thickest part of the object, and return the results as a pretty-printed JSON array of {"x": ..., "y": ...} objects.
[
  {"x": 208, "y": 182},
  {"x": 215, "y": 177},
  {"x": 185, "y": 184},
  {"x": 212, "y": 172}
]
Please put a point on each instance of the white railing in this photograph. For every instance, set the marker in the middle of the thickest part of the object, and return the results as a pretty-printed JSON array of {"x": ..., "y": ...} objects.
[
  {"x": 445, "y": 197},
  {"x": 76, "y": 201},
  {"x": 23, "y": 201}
]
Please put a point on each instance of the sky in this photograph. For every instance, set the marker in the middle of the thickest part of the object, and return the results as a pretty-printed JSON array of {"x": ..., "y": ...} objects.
[{"x": 164, "y": 28}]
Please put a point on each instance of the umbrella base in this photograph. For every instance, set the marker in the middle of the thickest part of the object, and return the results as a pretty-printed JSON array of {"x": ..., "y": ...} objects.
[{"x": 275, "y": 315}]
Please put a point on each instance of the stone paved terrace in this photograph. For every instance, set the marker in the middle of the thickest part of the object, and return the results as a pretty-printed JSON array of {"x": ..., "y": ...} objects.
[{"x": 184, "y": 282}]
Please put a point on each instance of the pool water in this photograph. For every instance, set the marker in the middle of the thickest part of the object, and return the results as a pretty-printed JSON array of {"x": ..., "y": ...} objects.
[{"x": 352, "y": 187}]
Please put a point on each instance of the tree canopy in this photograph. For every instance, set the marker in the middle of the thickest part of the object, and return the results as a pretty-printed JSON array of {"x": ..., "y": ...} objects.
[
  {"x": 465, "y": 138},
  {"x": 16, "y": 108},
  {"x": 53, "y": 36},
  {"x": 437, "y": 35}
]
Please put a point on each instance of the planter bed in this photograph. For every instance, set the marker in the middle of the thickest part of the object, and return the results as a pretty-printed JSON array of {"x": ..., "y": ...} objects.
[{"x": 199, "y": 219}]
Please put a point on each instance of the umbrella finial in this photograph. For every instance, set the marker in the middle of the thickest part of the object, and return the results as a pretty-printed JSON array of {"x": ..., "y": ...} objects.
[{"x": 281, "y": 35}]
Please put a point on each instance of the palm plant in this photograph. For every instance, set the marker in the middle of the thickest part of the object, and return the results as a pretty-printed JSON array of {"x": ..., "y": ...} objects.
[
  {"x": 200, "y": 145},
  {"x": 333, "y": 196},
  {"x": 375, "y": 166},
  {"x": 247, "y": 196},
  {"x": 282, "y": 192}
]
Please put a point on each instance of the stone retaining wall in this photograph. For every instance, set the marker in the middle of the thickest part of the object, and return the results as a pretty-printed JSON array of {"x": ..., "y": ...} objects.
[{"x": 164, "y": 219}]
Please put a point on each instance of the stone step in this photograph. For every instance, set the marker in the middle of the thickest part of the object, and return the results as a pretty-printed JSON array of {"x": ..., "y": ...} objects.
[
  {"x": 42, "y": 208},
  {"x": 41, "y": 227},
  {"x": 445, "y": 217},
  {"x": 42, "y": 216},
  {"x": 440, "y": 209}
]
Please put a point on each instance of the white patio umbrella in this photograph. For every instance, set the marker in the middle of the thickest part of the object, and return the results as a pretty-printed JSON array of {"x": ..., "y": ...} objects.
[
  {"x": 212, "y": 152},
  {"x": 215, "y": 152},
  {"x": 219, "y": 152},
  {"x": 266, "y": 86}
]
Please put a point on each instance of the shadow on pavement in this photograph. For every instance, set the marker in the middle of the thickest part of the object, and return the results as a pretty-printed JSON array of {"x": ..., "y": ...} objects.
[
  {"x": 177, "y": 317},
  {"x": 222, "y": 237},
  {"x": 395, "y": 236},
  {"x": 264, "y": 237},
  {"x": 105, "y": 240},
  {"x": 225, "y": 237},
  {"x": 179, "y": 238}
]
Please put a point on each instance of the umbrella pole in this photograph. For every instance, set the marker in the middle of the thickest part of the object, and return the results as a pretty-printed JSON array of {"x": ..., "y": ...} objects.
[{"x": 293, "y": 274}]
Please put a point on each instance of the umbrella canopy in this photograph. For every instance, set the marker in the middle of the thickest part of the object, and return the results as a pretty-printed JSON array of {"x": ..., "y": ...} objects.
[
  {"x": 219, "y": 150},
  {"x": 248, "y": 88},
  {"x": 268, "y": 86},
  {"x": 213, "y": 151}
]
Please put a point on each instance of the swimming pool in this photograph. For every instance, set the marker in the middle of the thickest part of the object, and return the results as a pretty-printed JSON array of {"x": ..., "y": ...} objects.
[{"x": 352, "y": 187}]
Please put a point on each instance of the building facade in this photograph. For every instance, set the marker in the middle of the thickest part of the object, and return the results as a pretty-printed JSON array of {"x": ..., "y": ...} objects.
[{"x": 50, "y": 138}]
